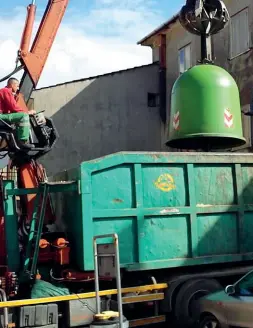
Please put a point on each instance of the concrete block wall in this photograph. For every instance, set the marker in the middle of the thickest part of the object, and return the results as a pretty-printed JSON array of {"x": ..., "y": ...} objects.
[{"x": 101, "y": 115}]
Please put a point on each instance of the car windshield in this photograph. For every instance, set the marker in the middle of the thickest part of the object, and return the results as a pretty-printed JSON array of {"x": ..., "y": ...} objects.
[{"x": 245, "y": 286}]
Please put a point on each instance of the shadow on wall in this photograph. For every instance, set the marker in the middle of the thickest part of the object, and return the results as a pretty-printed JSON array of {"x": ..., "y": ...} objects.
[{"x": 102, "y": 115}]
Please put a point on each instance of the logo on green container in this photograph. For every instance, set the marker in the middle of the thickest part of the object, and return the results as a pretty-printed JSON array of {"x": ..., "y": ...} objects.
[{"x": 165, "y": 182}]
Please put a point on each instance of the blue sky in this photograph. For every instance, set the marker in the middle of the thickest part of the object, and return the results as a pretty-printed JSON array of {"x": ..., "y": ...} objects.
[{"x": 95, "y": 37}]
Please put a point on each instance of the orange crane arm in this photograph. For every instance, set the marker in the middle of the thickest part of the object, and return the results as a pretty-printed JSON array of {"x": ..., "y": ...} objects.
[{"x": 33, "y": 60}]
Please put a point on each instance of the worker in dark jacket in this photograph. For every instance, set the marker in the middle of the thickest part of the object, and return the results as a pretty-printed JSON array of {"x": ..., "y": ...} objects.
[{"x": 13, "y": 114}]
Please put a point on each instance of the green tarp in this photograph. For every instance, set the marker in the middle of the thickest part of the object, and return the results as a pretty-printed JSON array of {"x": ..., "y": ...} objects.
[{"x": 42, "y": 289}]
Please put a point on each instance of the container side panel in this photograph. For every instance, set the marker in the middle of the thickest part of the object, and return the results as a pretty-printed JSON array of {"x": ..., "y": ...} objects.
[
  {"x": 247, "y": 236},
  {"x": 214, "y": 185},
  {"x": 166, "y": 237},
  {"x": 72, "y": 220},
  {"x": 247, "y": 178},
  {"x": 169, "y": 211},
  {"x": 126, "y": 230},
  {"x": 217, "y": 234},
  {"x": 113, "y": 188},
  {"x": 164, "y": 186}
]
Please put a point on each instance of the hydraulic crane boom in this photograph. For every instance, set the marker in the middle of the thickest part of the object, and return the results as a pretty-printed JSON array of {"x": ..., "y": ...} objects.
[
  {"x": 43, "y": 133},
  {"x": 32, "y": 60}
]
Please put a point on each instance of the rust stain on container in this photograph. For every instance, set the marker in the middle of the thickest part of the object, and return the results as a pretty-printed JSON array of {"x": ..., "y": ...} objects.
[{"x": 117, "y": 200}]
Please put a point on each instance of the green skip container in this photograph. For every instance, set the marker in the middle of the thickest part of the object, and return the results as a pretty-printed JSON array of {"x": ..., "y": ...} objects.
[
  {"x": 205, "y": 110},
  {"x": 168, "y": 209}
]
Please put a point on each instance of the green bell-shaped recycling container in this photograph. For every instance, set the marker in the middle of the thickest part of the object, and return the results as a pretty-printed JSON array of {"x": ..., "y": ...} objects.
[{"x": 205, "y": 110}]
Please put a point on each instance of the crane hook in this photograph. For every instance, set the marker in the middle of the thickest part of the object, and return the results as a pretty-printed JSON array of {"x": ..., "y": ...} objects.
[{"x": 204, "y": 16}]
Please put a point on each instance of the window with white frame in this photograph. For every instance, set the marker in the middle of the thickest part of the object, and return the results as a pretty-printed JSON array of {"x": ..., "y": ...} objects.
[
  {"x": 184, "y": 58},
  {"x": 239, "y": 33}
]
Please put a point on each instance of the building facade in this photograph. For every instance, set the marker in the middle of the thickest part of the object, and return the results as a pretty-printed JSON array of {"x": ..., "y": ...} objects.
[
  {"x": 177, "y": 50},
  {"x": 101, "y": 115}
]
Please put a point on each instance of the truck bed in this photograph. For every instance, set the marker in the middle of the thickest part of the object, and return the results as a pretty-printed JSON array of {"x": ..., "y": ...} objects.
[{"x": 168, "y": 209}]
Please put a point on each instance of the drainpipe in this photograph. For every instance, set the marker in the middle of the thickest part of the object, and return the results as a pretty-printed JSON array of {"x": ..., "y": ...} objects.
[{"x": 162, "y": 77}]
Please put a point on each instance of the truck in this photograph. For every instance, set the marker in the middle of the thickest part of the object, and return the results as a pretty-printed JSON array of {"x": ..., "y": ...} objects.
[{"x": 132, "y": 238}]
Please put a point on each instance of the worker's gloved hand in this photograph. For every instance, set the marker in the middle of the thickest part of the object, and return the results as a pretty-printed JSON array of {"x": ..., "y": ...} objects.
[{"x": 32, "y": 112}]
